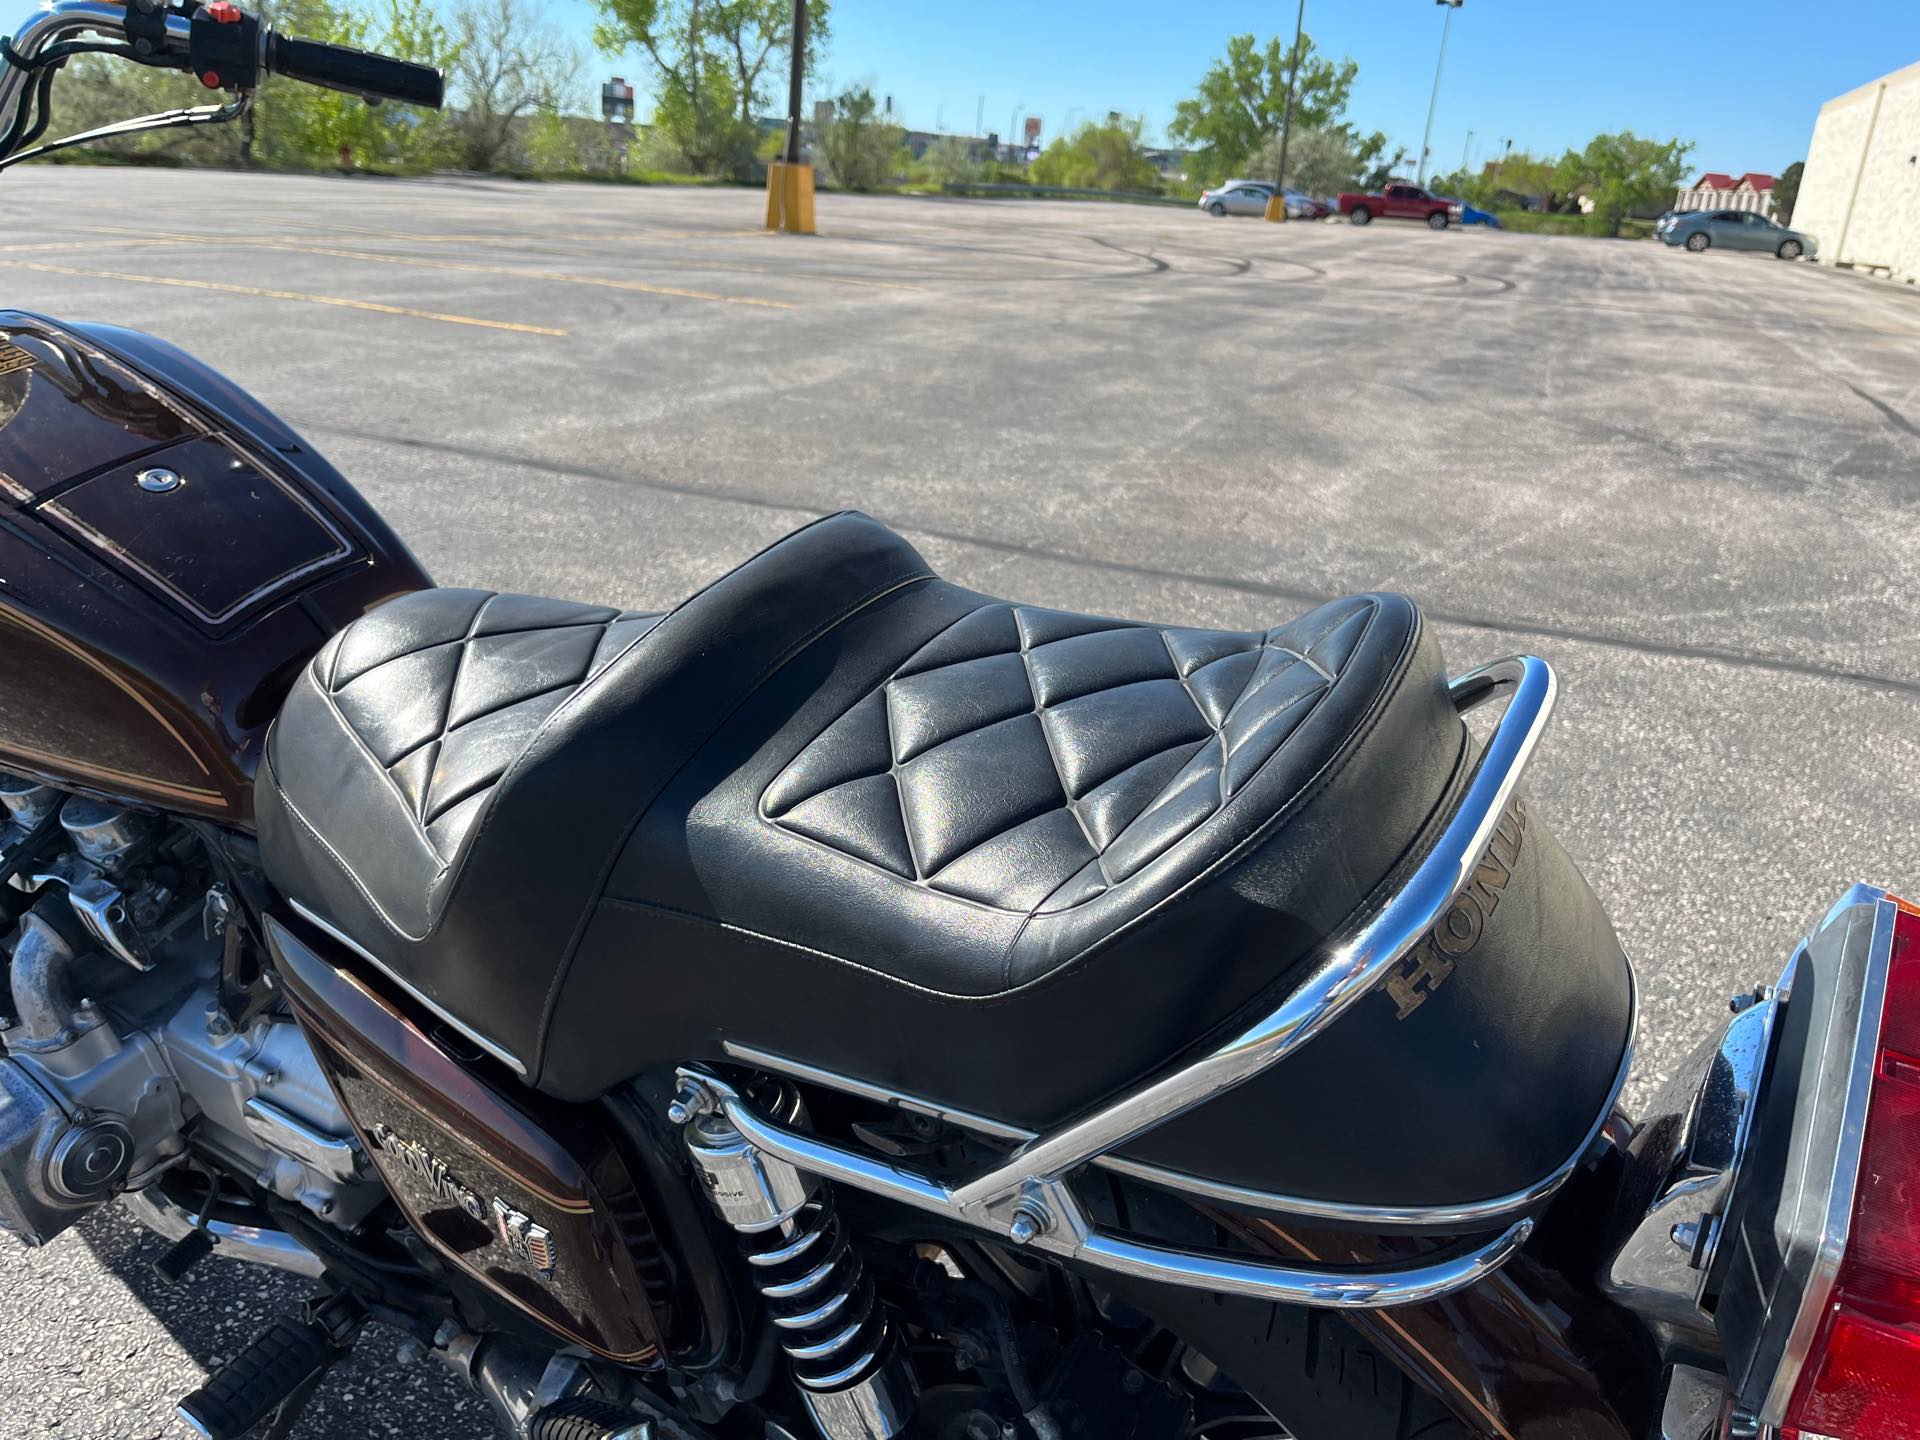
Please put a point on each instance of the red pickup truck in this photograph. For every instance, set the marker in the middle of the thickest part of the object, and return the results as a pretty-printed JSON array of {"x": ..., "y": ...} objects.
[{"x": 1397, "y": 202}]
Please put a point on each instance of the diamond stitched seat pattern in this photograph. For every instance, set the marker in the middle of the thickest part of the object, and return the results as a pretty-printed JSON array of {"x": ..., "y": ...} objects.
[
  {"x": 448, "y": 689},
  {"x": 1031, "y": 759}
]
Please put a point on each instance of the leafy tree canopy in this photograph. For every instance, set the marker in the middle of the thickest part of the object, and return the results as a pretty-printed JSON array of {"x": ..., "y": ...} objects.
[
  {"x": 1320, "y": 162},
  {"x": 1103, "y": 156},
  {"x": 1624, "y": 173},
  {"x": 1241, "y": 102},
  {"x": 1786, "y": 191},
  {"x": 859, "y": 150}
]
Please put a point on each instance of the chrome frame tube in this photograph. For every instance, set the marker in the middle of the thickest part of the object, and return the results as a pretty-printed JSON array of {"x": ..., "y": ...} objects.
[
  {"x": 60, "y": 20},
  {"x": 1027, "y": 1197}
]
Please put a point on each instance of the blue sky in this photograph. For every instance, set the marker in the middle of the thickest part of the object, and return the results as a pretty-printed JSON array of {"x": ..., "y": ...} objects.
[{"x": 1742, "y": 78}]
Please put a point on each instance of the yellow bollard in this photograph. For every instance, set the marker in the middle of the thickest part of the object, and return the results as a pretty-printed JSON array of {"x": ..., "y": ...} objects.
[
  {"x": 790, "y": 198},
  {"x": 1277, "y": 206}
]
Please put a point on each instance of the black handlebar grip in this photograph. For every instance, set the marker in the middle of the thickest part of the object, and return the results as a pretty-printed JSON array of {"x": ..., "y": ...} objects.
[{"x": 358, "y": 72}]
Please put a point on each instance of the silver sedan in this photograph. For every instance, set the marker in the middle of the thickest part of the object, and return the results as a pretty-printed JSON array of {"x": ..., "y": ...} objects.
[{"x": 1237, "y": 197}]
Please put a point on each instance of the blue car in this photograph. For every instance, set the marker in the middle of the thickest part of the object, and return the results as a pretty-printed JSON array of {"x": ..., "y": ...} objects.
[{"x": 1472, "y": 215}]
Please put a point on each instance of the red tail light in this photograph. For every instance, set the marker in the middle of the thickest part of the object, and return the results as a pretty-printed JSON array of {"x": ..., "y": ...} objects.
[{"x": 1861, "y": 1380}]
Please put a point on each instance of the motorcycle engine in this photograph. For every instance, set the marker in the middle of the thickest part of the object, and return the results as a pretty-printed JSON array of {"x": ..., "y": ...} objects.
[{"x": 120, "y": 1061}]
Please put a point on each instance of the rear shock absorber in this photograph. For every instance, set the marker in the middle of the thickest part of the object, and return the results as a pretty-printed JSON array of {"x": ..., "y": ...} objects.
[{"x": 845, "y": 1359}]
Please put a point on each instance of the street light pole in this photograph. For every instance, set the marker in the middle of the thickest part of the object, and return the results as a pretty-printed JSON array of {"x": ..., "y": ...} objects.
[
  {"x": 1286, "y": 123},
  {"x": 1466, "y": 151},
  {"x": 1426, "y": 140}
]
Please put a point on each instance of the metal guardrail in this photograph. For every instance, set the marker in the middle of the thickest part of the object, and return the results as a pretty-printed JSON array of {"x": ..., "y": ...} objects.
[{"x": 1058, "y": 192}]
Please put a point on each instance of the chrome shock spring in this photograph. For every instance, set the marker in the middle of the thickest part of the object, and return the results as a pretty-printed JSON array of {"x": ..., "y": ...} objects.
[
  {"x": 818, "y": 1297},
  {"x": 848, "y": 1366}
]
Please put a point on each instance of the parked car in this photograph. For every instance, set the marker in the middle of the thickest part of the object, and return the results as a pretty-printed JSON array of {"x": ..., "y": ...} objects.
[
  {"x": 1732, "y": 230},
  {"x": 1237, "y": 197},
  {"x": 1250, "y": 197},
  {"x": 1302, "y": 206},
  {"x": 1397, "y": 202},
  {"x": 1472, "y": 214}
]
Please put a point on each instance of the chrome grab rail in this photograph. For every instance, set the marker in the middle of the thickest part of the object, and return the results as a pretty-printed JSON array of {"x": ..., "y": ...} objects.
[
  {"x": 1028, "y": 1197},
  {"x": 1350, "y": 969}
]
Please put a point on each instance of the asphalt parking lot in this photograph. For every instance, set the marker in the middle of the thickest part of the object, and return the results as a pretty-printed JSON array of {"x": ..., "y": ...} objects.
[{"x": 1691, "y": 482}]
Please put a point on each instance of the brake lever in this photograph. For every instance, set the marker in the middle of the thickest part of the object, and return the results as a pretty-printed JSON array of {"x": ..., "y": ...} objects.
[{"x": 161, "y": 120}]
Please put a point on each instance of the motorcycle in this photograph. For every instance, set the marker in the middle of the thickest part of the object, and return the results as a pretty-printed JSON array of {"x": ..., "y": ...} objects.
[{"x": 849, "y": 1005}]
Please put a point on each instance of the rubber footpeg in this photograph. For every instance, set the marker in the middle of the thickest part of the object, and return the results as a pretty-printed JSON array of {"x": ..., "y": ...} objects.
[
  {"x": 181, "y": 1256},
  {"x": 282, "y": 1358},
  {"x": 581, "y": 1419}
]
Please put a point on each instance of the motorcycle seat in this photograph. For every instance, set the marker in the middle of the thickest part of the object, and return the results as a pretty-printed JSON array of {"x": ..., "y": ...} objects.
[{"x": 836, "y": 808}]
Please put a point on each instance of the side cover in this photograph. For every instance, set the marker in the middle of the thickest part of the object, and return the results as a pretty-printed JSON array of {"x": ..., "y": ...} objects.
[
  {"x": 172, "y": 553},
  {"x": 534, "y": 1202}
]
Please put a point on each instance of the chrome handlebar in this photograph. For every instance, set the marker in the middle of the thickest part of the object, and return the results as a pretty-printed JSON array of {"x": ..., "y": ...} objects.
[{"x": 224, "y": 47}]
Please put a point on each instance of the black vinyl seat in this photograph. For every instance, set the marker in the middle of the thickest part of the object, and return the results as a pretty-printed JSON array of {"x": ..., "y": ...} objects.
[{"x": 838, "y": 809}]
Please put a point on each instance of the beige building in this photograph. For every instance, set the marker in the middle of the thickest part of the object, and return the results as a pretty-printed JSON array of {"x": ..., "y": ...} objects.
[{"x": 1860, "y": 194}]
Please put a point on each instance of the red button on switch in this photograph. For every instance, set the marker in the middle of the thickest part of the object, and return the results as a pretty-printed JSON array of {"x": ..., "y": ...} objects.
[
  {"x": 224, "y": 12},
  {"x": 210, "y": 79}
]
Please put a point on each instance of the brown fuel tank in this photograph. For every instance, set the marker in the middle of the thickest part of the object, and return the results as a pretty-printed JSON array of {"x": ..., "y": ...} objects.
[{"x": 170, "y": 554}]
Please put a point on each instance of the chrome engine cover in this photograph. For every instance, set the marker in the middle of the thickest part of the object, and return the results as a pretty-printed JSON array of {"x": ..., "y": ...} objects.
[{"x": 119, "y": 1061}]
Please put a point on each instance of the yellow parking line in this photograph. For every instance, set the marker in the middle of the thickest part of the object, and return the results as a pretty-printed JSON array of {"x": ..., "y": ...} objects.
[
  {"x": 346, "y": 232},
  {"x": 265, "y": 294},
  {"x": 555, "y": 275},
  {"x": 43, "y": 245},
  {"x": 612, "y": 237}
]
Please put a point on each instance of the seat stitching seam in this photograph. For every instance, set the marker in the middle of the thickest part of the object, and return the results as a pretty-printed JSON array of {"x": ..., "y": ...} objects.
[
  {"x": 406, "y": 807},
  {"x": 893, "y": 774},
  {"x": 1308, "y": 660},
  {"x": 1059, "y": 771},
  {"x": 345, "y": 869},
  {"x": 446, "y": 711},
  {"x": 1283, "y": 814}
]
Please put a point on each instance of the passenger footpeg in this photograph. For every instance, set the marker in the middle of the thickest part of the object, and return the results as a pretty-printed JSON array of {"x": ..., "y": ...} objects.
[{"x": 277, "y": 1372}]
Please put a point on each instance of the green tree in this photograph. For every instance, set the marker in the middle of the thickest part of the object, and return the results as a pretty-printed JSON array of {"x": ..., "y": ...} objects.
[
  {"x": 1103, "y": 156},
  {"x": 1623, "y": 173},
  {"x": 303, "y": 126},
  {"x": 713, "y": 60},
  {"x": 1786, "y": 191},
  {"x": 94, "y": 90},
  {"x": 1241, "y": 102},
  {"x": 552, "y": 146},
  {"x": 1383, "y": 172},
  {"x": 510, "y": 64},
  {"x": 859, "y": 150},
  {"x": 758, "y": 36},
  {"x": 950, "y": 161},
  {"x": 1320, "y": 162}
]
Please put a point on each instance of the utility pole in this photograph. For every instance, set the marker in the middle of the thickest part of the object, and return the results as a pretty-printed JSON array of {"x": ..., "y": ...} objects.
[
  {"x": 789, "y": 183},
  {"x": 1426, "y": 140},
  {"x": 980, "y": 118},
  {"x": 1013, "y": 123},
  {"x": 1465, "y": 151},
  {"x": 1286, "y": 123},
  {"x": 796, "y": 80}
]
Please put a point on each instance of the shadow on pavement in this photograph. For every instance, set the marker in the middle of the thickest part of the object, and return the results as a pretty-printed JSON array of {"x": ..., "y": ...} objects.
[{"x": 222, "y": 1304}]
